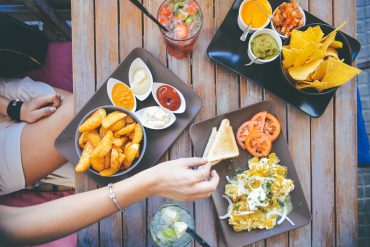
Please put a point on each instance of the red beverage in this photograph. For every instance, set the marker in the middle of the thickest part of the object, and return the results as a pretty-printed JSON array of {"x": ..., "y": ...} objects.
[{"x": 183, "y": 19}]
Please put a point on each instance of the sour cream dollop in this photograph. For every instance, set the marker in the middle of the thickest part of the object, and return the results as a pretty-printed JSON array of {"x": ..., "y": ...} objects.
[
  {"x": 140, "y": 81},
  {"x": 256, "y": 198},
  {"x": 156, "y": 117}
]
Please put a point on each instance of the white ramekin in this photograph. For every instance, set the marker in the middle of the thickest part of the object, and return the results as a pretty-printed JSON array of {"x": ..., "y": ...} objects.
[
  {"x": 274, "y": 34},
  {"x": 244, "y": 26}
]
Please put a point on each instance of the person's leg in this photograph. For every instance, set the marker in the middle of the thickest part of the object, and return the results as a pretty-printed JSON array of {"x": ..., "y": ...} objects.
[
  {"x": 62, "y": 92},
  {"x": 39, "y": 156}
]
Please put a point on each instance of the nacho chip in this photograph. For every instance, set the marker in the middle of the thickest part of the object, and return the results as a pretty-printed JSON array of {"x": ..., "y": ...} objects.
[
  {"x": 331, "y": 52},
  {"x": 305, "y": 53},
  {"x": 290, "y": 55},
  {"x": 338, "y": 73},
  {"x": 320, "y": 72},
  {"x": 302, "y": 72},
  {"x": 336, "y": 44},
  {"x": 297, "y": 40},
  {"x": 318, "y": 34}
]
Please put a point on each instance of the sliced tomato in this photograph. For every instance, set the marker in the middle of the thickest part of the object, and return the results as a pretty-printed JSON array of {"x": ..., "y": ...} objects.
[
  {"x": 243, "y": 131},
  {"x": 257, "y": 143},
  {"x": 192, "y": 8},
  {"x": 181, "y": 31},
  {"x": 260, "y": 118},
  {"x": 166, "y": 10},
  {"x": 272, "y": 127}
]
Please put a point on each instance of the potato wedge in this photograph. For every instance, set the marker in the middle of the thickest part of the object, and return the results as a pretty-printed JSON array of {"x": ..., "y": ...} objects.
[
  {"x": 138, "y": 134},
  {"x": 93, "y": 137},
  {"x": 116, "y": 161},
  {"x": 107, "y": 160},
  {"x": 85, "y": 159},
  {"x": 129, "y": 120},
  {"x": 102, "y": 132},
  {"x": 124, "y": 140},
  {"x": 130, "y": 154},
  {"x": 82, "y": 140},
  {"x": 118, "y": 142},
  {"x": 104, "y": 146},
  {"x": 125, "y": 131},
  {"x": 119, "y": 125},
  {"x": 126, "y": 146},
  {"x": 94, "y": 121},
  {"x": 98, "y": 163},
  {"x": 112, "y": 118}
]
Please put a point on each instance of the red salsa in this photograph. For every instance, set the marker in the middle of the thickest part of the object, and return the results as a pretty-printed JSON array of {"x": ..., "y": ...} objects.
[{"x": 168, "y": 97}]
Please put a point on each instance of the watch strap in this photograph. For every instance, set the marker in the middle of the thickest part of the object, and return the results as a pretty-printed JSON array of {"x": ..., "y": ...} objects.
[{"x": 14, "y": 109}]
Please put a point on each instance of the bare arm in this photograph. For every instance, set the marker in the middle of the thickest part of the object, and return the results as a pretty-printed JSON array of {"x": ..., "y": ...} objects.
[{"x": 52, "y": 220}]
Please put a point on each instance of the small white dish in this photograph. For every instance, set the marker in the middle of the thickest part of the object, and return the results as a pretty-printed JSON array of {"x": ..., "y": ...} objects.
[
  {"x": 142, "y": 114},
  {"x": 135, "y": 65},
  {"x": 286, "y": 36},
  {"x": 111, "y": 83},
  {"x": 157, "y": 85},
  {"x": 273, "y": 34},
  {"x": 244, "y": 26}
]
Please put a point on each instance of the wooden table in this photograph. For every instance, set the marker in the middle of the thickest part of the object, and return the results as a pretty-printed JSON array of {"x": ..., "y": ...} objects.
[{"x": 323, "y": 149}]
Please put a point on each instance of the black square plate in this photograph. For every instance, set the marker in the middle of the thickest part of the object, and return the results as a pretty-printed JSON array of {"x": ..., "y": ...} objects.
[{"x": 227, "y": 50}]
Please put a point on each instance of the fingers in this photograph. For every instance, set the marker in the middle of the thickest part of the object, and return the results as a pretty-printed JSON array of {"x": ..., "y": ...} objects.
[
  {"x": 204, "y": 171},
  {"x": 207, "y": 186},
  {"x": 56, "y": 101},
  {"x": 43, "y": 101},
  {"x": 192, "y": 162},
  {"x": 43, "y": 112}
]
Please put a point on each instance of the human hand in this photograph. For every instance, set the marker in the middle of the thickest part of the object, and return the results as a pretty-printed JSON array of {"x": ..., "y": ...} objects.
[
  {"x": 40, "y": 107},
  {"x": 177, "y": 180}
]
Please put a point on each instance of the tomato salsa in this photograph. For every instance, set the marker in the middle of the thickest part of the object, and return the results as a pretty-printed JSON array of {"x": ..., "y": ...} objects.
[
  {"x": 287, "y": 16},
  {"x": 168, "y": 97}
]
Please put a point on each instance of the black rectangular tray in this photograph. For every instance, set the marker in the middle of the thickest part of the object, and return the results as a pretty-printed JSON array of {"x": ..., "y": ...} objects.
[
  {"x": 227, "y": 49},
  {"x": 158, "y": 140}
]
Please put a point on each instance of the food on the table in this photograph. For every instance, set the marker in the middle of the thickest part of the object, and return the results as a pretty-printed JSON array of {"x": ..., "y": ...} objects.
[
  {"x": 169, "y": 97},
  {"x": 121, "y": 95},
  {"x": 181, "y": 17},
  {"x": 255, "y": 13},
  {"x": 287, "y": 17},
  {"x": 259, "y": 195},
  {"x": 156, "y": 117},
  {"x": 257, "y": 134},
  {"x": 140, "y": 78},
  {"x": 221, "y": 144},
  {"x": 169, "y": 224},
  {"x": 106, "y": 147},
  {"x": 264, "y": 46},
  {"x": 312, "y": 60}
]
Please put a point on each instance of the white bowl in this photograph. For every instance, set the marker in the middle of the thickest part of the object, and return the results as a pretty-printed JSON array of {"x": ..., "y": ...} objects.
[
  {"x": 244, "y": 26},
  {"x": 140, "y": 113},
  {"x": 286, "y": 36},
  {"x": 111, "y": 83},
  {"x": 156, "y": 85},
  {"x": 139, "y": 64},
  {"x": 252, "y": 57}
]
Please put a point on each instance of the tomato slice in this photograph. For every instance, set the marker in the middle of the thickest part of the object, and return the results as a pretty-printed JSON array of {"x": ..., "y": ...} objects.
[
  {"x": 243, "y": 131},
  {"x": 260, "y": 118},
  {"x": 272, "y": 127},
  {"x": 258, "y": 144}
]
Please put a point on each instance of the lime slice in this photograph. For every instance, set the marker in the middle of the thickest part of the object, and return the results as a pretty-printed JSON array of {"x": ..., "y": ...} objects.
[
  {"x": 169, "y": 233},
  {"x": 180, "y": 228},
  {"x": 170, "y": 215}
]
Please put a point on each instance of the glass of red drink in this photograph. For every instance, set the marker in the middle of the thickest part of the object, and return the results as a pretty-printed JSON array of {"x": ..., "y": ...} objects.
[{"x": 183, "y": 19}]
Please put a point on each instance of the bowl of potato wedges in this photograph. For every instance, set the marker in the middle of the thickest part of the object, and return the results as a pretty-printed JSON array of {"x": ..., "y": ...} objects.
[{"x": 110, "y": 141}]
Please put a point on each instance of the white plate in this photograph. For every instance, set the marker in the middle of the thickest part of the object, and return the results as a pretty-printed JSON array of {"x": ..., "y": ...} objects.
[
  {"x": 139, "y": 64},
  {"x": 156, "y": 85},
  {"x": 139, "y": 114},
  {"x": 111, "y": 83}
]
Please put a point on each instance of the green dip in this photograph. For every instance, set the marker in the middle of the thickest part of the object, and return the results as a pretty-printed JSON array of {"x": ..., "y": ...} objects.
[{"x": 264, "y": 46}]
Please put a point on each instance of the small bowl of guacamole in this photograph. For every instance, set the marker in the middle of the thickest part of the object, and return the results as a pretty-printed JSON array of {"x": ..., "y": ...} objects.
[{"x": 265, "y": 45}]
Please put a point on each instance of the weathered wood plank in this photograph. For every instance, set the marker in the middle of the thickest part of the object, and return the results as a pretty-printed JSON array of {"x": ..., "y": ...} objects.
[
  {"x": 153, "y": 42},
  {"x": 84, "y": 84},
  {"x": 322, "y": 160},
  {"x": 204, "y": 85},
  {"x": 346, "y": 142},
  {"x": 106, "y": 39},
  {"x": 134, "y": 222}
]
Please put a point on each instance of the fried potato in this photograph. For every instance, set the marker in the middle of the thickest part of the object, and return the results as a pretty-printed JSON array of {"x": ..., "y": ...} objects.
[
  {"x": 126, "y": 146},
  {"x": 124, "y": 140},
  {"x": 129, "y": 120},
  {"x": 94, "y": 121},
  {"x": 102, "y": 132},
  {"x": 119, "y": 125},
  {"x": 93, "y": 137},
  {"x": 118, "y": 142},
  {"x": 98, "y": 163},
  {"x": 83, "y": 139},
  {"x": 104, "y": 146},
  {"x": 138, "y": 134},
  {"x": 131, "y": 135},
  {"x": 107, "y": 160},
  {"x": 85, "y": 159},
  {"x": 126, "y": 130},
  {"x": 112, "y": 118},
  {"x": 130, "y": 154},
  {"x": 116, "y": 161}
]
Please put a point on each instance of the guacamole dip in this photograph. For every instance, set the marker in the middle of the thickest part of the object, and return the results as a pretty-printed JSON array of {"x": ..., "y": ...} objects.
[{"x": 264, "y": 46}]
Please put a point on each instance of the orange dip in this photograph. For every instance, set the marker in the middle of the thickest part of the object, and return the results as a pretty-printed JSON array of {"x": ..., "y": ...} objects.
[
  {"x": 123, "y": 96},
  {"x": 251, "y": 13}
]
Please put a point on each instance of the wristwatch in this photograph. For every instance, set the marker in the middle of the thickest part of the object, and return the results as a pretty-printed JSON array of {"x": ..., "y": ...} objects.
[{"x": 14, "y": 109}]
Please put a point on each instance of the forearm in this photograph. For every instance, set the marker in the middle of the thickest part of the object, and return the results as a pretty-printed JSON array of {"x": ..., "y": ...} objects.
[
  {"x": 3, "y": 105},
  {"x": 58, "y": 218}
]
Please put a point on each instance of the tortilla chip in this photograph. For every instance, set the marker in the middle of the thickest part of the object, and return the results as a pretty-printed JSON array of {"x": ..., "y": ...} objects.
[
  {"x": 297, "y": 40},
  {"x": 338, "y": 73},
  {"x": 325, "y": 44},
  {"x": 320, "y": 72},
  {"x": 302, "y": 72},
  {"x": 290, "y": 56},
  {"x": 336, "y": 44},
  {"x": 318, "y": 34},
  {"x": 335, "y": 30},
  {"x": 305, "y": 53},
  {"x": 331, "y": 52}
]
